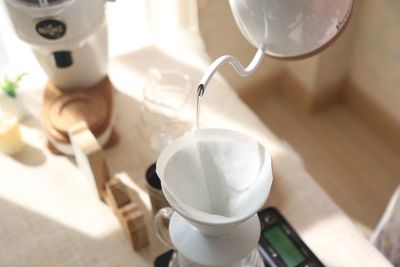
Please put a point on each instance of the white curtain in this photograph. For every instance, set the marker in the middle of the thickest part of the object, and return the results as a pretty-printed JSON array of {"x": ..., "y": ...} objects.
[{"x": 14, "y": 54}]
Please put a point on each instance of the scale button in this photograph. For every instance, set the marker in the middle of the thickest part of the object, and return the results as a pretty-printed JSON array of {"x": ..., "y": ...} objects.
[
  {"x": 272, "y": 252},
  {"x": 270, "y": 219},
  {"x": 286, "y": 229},
  {"x": 305, "y": 252}
]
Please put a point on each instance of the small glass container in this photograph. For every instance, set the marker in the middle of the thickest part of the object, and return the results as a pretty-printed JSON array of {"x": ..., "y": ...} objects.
[{"x": 166, "y": 93}]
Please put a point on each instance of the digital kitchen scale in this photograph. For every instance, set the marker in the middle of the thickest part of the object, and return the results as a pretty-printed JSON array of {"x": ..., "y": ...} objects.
[{"x": 279, "y": 244}]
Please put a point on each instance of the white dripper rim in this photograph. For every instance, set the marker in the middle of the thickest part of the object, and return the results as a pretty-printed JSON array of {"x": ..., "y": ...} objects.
[{"x": 215, "y": 176}]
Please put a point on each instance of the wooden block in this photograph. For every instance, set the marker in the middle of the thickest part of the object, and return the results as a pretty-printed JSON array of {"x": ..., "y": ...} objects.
[
  {"x": 117, "y": 193},
  {"x": 127, "y": 215},
  {"x": 132, "y": 221},
  {"x": 129, "y": 208},
  {"x": 90, "y": 157},
  {"x": 139, "y": 238},
  {"x": 135, "y": 229},
  {"x": 128, "y": 212}
]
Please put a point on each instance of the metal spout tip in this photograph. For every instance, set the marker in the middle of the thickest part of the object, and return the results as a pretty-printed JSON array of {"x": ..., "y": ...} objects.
[{"x": 200, "y": 90}]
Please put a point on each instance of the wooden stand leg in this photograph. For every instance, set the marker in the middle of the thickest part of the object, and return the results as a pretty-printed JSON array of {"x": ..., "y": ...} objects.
[
  {"x": 91, "y": 160},
  {"x": 90, "y": 157}
]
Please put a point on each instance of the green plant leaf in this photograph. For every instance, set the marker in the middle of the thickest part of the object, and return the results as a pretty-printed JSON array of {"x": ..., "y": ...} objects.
[
  {"x": 19, "y": 78},
  {"x": 9, "y": 88}
]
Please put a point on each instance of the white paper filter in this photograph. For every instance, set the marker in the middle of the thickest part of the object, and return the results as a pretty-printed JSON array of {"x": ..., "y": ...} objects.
[{"x": 215, "y": 176}]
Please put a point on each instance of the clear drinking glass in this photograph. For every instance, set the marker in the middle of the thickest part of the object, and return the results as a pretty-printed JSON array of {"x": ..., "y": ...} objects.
[{"x": 166, "y": 93}]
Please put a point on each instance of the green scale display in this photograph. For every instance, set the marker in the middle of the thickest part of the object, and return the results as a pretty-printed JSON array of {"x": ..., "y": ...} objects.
[{"x": 279, "y": 244}]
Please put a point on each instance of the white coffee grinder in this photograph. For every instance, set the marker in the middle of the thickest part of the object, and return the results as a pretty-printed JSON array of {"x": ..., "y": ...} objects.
[
  {"x": 69, "y": 39},
  {"x": 216, "y": 180}
]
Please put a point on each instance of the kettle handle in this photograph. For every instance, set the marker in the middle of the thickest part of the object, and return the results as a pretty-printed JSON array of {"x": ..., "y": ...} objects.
[{"x": 161, "y": 221}]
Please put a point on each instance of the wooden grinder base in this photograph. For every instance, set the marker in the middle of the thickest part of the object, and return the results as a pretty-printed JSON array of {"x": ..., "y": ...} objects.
[{"x": 63, "y": 109}]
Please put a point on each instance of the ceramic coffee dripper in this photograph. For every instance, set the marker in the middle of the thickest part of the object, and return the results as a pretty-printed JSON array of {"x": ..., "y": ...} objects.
[{"x": 218, "y": 227}]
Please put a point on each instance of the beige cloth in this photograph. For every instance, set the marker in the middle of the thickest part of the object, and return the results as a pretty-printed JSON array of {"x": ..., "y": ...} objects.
[{"x": 49, "y": 216}]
